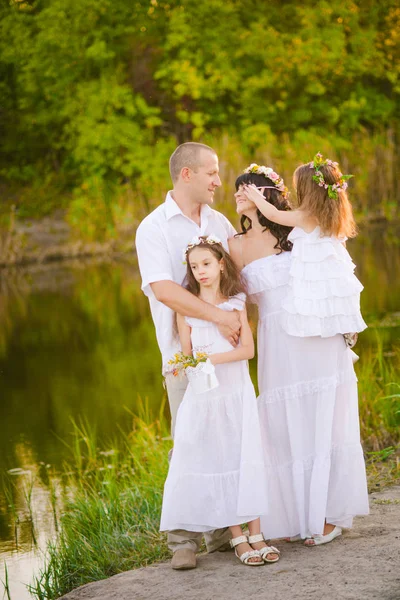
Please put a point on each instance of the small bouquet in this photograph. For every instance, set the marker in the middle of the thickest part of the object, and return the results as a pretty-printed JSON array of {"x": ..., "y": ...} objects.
[
  {"x": 181, "y": 361},
  {"x": 198, "y": 368}
]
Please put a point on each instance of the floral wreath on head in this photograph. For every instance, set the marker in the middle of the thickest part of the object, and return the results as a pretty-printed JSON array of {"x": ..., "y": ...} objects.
[
  {"x": 270, "y": 174},
  {"x": 332, "y": 189},
  {"x": 196, "y": 241}
]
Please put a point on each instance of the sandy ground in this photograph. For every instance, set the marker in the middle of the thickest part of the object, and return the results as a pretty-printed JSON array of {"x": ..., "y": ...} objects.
[{"x": 363, "y": 564}]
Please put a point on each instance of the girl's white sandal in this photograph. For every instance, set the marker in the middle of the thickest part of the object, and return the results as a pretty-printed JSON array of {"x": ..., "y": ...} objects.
[
  {"x": 259, "y": 537},
  {"x": 246, "y": 556},
  {"x": 324, "y": 539}
]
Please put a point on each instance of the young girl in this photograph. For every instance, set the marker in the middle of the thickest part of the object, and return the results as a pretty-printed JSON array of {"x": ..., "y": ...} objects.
[
  {"x": 324, "y": 293},
  {"x": 217, "y": 476}
]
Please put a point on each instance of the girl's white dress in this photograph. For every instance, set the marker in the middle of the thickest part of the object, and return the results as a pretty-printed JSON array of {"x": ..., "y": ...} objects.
[
  {"x": 309, "y": 416},
  {"x": 217, "y": 475},
  {"x": 323, "y": 297}
]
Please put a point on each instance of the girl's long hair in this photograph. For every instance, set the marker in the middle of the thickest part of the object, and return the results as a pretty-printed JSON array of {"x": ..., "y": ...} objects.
[
  {"x": 334, "y": 215},
  {"x": 274, "y": 197},
  {"x": 231, "y": 282}
]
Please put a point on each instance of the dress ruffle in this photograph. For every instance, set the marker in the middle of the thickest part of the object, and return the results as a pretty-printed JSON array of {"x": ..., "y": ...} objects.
[
  {"x": 307, "y": 388},
  {"x": 266, "y": 279},
  {"x": 324, "y": 294},
  {"x": 308, "y": 326}
]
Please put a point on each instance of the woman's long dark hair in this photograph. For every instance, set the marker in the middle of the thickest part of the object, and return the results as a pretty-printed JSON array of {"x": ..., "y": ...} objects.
[{"x": 274, "y": 197}]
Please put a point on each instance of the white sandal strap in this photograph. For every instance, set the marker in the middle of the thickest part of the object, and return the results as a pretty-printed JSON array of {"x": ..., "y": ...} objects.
[
  {"x": 269, "y": 550},
  {"x": 245, "y": 557},
  {"x": 238, "y": 540},
  {"x": 253, "y": 539}
]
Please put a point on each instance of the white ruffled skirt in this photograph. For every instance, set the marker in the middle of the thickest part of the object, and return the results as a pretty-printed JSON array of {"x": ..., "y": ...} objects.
[
  {"x": 217, "y": 476},
  {"x": 323, "y": 296},
  {"x": 309, "y": 417}
]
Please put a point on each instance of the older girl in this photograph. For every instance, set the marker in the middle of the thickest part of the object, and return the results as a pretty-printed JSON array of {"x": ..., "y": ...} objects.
[{"x": 217, "y": 475}]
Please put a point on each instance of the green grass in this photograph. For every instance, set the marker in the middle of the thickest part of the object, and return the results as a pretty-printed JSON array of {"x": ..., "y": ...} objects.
[
  {"x": 379, "y": 395},
  {"x": 111, "y": 524},
  {"x": 6, "y": 583}
]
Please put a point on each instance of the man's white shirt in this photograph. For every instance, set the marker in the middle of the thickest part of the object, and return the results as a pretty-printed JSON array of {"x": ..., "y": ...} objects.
[{"x": 161, "y": 239}]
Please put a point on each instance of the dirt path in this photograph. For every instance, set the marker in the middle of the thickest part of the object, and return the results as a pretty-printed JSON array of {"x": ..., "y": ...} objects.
[{"x": 363, "y": 564}]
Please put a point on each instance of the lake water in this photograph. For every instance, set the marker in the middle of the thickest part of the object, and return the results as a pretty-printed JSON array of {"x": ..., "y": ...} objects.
[{"x": 77, "y": 342}]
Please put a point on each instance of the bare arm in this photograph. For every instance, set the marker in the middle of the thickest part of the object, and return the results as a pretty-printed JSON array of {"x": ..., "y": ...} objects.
[
  {"x": 290, "y": 218},
  {"x": 184, "y": 334},
  {"x": 243, "y": 352},
  {"x": 183, "y": 302}
]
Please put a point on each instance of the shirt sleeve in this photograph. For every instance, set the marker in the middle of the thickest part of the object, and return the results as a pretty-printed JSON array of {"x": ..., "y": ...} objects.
[
  {"x": 231, "y": 230},
  {"x": 153, "y": 256}
]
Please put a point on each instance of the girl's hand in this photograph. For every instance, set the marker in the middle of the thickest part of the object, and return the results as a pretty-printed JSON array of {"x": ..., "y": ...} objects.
[{"x": 254, "y": 195}]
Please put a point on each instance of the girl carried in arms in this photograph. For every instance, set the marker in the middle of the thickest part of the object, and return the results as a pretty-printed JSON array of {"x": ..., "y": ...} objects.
[{"x": 324, "y": 294}]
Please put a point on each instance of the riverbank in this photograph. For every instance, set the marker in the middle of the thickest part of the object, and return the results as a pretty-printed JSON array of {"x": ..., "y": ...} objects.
[
  {"x": 363, "y": 563},
  {"x": 51, "y": 239}
]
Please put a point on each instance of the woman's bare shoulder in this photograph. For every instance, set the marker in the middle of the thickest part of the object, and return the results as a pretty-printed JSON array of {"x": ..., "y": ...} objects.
[{"x": 235, "y": 250}]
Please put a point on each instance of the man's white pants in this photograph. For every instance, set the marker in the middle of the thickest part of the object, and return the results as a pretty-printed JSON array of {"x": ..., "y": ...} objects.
[{"x": 179, "y": 539}]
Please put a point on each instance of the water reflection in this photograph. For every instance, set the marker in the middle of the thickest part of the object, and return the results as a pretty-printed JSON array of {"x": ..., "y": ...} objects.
[{"x": 77, "y": 341}]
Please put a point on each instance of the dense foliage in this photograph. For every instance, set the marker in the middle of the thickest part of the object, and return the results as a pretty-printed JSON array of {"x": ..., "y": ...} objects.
[{"x": 96, "y": 93}]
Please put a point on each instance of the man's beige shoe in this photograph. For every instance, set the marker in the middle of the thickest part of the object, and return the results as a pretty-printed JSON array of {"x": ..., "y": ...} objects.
[{"x": 184, "y": 559}]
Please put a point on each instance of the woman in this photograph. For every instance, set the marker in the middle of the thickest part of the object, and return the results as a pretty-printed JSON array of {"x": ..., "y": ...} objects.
[{"x": 308, "y": 390}]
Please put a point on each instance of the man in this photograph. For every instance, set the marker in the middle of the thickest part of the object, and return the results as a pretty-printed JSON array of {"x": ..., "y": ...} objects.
[{"x": 160, "y": 240}]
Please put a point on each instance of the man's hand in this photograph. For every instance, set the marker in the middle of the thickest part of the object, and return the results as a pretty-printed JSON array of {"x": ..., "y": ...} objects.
[{"x": 229, "y": 326}]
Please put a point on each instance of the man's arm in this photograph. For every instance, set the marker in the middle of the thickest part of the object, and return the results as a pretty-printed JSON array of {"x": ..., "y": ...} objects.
[
  {"x": 157, "y": 278},
  {"x": 243, "y": 352},
  {"x": 183, "y": 302}
]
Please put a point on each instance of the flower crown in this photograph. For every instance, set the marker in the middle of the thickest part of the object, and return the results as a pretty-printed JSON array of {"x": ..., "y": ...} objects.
[
  {"x": 270, "y": 174},
  {"x": 196, "y": 241},
  {"x": 335, "y": 188}
]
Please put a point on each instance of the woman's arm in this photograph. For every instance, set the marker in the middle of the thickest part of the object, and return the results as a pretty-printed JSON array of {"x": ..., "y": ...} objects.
[
  {"x": 184, "y": 334},
  {"x": 290, "y": 218},
  {"x": 243, "y": 352}
]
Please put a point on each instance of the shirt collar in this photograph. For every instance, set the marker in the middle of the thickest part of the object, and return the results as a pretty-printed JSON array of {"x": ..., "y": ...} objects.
[{"x": 173, "y": 209}]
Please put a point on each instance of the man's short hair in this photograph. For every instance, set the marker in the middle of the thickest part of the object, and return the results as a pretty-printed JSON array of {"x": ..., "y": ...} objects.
[{"x": 186, "y": 155}]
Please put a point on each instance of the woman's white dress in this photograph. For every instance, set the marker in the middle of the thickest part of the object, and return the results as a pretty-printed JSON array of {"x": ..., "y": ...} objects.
[
  {"x": 323, "y": 297},
  {"x": 309, "y": 416},
  {"x": 217, "y": 475}
]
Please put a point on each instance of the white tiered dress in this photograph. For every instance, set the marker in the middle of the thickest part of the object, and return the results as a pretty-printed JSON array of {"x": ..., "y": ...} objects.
[
  {"x": 309, "y": 416},
  {"x": 324, "y": 294},
  {"x": 217, "y": 475}
]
